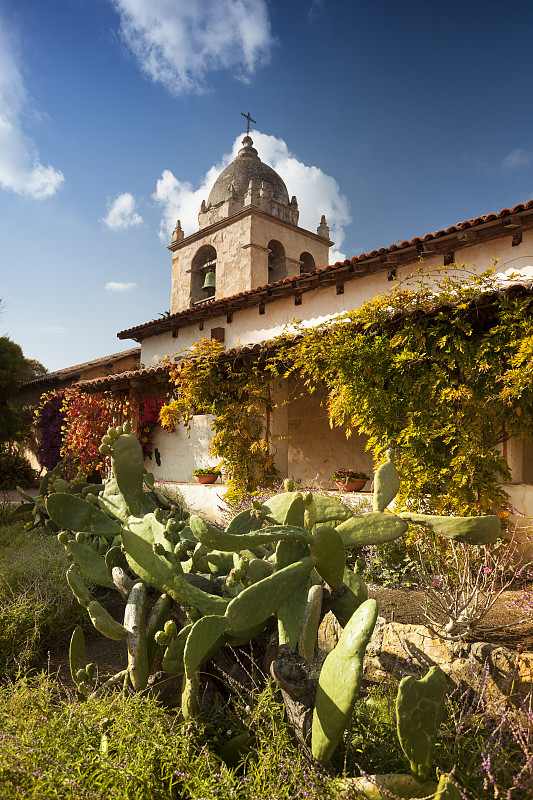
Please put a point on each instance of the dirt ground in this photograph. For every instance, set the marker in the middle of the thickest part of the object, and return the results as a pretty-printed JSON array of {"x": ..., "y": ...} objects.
[
  {"x": 407, "y": 606},
  {"x": 401, "y": 605}
]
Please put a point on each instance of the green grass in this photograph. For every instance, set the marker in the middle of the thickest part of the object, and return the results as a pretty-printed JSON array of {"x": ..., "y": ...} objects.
[
  {"x": 51, "y": 748},
  {"x": 37, "y": 609},
  {"x": 51, "y": 745}
]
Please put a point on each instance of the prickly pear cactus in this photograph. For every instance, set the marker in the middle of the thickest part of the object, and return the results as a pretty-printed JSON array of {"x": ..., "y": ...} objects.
[
  {"x": 191, "y": 589},
  {"x": 419, "y": 713}
]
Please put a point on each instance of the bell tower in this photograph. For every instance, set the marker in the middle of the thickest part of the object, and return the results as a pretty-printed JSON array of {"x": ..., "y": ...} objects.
[{"x": 248, "y": 236}]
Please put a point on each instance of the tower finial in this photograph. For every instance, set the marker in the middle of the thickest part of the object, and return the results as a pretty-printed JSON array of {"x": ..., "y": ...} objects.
[{"x": 248, "y": 119}]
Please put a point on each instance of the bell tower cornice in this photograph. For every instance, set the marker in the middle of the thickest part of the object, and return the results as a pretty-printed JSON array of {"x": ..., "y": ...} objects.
[{"x": 245, "y": 212}]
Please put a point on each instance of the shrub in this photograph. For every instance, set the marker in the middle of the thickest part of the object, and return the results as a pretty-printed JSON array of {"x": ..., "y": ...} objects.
[
  {"x": 37, "y": 610},
  {"x": 15, "y": 470}
]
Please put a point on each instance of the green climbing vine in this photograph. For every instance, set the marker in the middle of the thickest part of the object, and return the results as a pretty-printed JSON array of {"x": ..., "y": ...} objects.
[
  {"x": 440, "y": 369},
  {"x": 442, "y": 377},
  {"x": 237, "y": 395}
]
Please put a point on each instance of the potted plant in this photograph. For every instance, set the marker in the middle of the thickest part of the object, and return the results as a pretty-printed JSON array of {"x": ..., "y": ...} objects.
[
  {"x": 349, "y": 480},
  {"x": 206, "y": 474}
]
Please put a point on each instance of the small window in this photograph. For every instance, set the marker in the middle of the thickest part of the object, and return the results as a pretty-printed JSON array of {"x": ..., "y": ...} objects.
[
  {"x": 218, "y": 334},
  {"x": 449, "y": 258}
]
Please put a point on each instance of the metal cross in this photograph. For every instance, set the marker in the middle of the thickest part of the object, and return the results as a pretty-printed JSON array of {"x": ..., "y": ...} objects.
[{"x": 248, "y": 119}]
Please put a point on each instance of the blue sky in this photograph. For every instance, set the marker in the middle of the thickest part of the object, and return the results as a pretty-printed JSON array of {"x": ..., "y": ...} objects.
[{"x": 393, "y": 119}]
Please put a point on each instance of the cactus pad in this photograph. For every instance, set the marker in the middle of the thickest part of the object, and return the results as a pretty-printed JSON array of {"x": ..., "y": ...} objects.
[
  {"x": 469, "y": 530},
  {"x": 419, "y": 712},
  {"x": 340, "y": 681},
  {"x": 328, "y": 549},
  {"x": 375, "y": 528},
  {"x": 386, "y": 484},
  {"x": 76, "y": 514}
]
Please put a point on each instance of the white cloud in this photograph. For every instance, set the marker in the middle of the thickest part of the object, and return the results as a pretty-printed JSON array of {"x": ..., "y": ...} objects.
[
  {"x": 20, "y": 168},
  {"x": 315, "y": 10},
  {"x": 178, "y": 42},
  {"x": 317, "y": 193},
  {"x": 517, "y": 159},
  {"x": 119, "y": 286},
  {"x": 121, "y": 213},
  {"x": 180, "y": 200}
]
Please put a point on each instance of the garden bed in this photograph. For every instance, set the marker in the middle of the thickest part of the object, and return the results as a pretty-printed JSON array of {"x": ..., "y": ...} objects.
[
  {"x": 395, "y": 605},
  {"x": 407, "y": 605}
]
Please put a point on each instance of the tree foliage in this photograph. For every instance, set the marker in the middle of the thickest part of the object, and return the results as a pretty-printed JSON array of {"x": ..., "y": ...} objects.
[{"x": 14, "y": 421}]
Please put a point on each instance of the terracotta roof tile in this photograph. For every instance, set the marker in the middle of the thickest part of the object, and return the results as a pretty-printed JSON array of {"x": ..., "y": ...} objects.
[
  {"x": 107, "y": 381},
  {"x": 69, "y": 372}
]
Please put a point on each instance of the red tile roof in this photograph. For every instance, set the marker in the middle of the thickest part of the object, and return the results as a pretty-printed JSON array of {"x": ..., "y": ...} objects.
[
  {"x": 71, "y": 372},
  {"x": 480, "y": 309},
  {"x": 350, "y": 268},
  {"x": 161, "y": 369}
]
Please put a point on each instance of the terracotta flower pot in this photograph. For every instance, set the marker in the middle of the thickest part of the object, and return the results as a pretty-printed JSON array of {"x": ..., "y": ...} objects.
[
  {"x": 211, "y": 478},
  {"x": 351, "y": 486}
]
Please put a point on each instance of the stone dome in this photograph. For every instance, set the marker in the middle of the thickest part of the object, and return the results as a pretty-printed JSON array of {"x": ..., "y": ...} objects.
[{"x": 235, "y": 179}]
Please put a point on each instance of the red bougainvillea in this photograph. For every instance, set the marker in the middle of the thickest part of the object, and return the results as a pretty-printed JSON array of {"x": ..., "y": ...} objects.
[
  {"x": 71, "y": 424},
  {"x": 147, "y": 422},
  {"x": 87, "y": 418}
]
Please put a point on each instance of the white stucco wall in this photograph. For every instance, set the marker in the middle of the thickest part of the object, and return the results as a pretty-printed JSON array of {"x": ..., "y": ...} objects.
[
  {"x": 316, "y": 450},
  {"x": 180, "y": 454},
  {"x": 250, "y": 326}
]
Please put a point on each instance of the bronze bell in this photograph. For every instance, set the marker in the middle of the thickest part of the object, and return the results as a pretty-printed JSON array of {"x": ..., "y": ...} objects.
[{"x": 209, "y": 282}]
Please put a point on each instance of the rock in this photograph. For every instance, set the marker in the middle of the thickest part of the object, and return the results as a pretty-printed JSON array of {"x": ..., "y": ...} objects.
[
  {"x": 496, "y": 674},
  {"x": 329, "y": 632}
]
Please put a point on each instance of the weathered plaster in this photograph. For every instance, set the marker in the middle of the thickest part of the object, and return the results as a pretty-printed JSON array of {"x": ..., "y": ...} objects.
[
  {"x": 204, "y": 500},
  {"x": 241, "y": 246},
  {"x": 316, "y": 450},
  {"x": 180, "y": 455}
]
